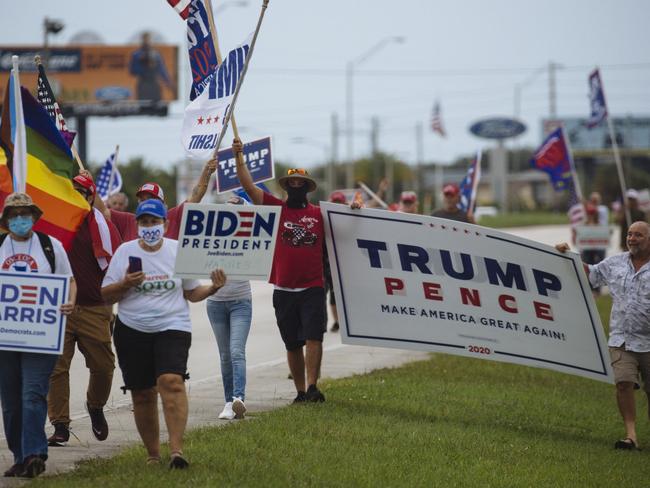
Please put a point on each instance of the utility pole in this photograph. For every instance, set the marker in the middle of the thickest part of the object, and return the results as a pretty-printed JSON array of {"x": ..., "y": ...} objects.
[
  {"x": 331, "y": 176},
  {"x": 375, "y": 171},
  {"x": 419, "y": 156},
  {"x": 552, "y": 93}
]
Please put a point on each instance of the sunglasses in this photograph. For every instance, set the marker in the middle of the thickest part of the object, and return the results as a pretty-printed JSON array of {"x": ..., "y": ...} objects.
[{"x": 299, "y": 171}]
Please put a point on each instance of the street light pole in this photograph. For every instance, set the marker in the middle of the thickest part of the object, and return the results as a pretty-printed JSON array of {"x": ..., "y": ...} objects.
[{"x": 349, "y": 104}]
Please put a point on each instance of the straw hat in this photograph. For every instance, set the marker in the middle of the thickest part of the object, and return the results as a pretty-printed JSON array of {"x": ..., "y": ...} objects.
[{"x": 298, "y": 173}]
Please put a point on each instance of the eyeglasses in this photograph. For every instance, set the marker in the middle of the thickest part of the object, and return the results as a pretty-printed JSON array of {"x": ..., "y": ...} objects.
[
  {"x": 84, "y": 192},
  {"x": 299, "y": 171}
]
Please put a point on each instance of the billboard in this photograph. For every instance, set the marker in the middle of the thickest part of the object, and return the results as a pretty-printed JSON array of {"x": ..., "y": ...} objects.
[
  {"x": 99, "y": 75},
  {"x": 631, "y": 132}
]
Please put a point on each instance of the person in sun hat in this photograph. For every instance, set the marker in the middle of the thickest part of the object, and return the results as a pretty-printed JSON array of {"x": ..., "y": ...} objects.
[
  {"x": 24, "y": 376},
  {"x": 153, "y": 331},
  {"x": 450, "y": 209},
  {"x": 296, "y": 273},
  {"x": 89, "y": 326}
]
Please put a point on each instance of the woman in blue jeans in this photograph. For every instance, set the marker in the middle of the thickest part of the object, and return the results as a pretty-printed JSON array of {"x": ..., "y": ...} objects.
[
  {"x": 230, "y": 312},
  {"x": 25, "y": 375}
]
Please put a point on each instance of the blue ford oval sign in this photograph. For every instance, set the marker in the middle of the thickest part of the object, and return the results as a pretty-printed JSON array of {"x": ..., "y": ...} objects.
[
  {"x": 497, "y": 128},
  {"x": 112, "y": 93}
]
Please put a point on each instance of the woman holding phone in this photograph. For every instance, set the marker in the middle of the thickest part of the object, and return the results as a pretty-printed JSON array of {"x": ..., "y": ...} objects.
[{"x": 153, "y": 330}]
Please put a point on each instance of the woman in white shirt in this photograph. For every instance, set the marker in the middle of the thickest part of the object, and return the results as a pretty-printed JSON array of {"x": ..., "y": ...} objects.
[{"x": 153, "y": 330}]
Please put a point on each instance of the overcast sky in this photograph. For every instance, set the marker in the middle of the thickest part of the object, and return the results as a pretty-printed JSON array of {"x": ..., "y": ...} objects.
[{"x": 469, "y": 54}]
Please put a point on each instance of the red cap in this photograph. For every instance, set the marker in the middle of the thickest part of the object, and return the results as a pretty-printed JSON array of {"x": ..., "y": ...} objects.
[
  {"x": 591, "y": 209},
  {"x": 86, "y": 182},
  {"x": 408, "y": 197},
  {"x": 338, "y": 197},
  {"x": 451, "y": 189},
  {"x": 152, "y": 189}
]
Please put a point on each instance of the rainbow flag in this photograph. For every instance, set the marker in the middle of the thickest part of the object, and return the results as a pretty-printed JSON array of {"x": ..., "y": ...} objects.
[{"x": 50, "y": 169}]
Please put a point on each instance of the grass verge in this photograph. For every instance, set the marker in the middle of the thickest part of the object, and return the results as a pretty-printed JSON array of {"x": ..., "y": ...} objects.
[
  {"x": 523, "y": 219},
  {"x": 447, "y": 421}
]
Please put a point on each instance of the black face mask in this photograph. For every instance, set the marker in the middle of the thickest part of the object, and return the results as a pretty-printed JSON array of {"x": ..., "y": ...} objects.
[{"x": 297, "y": 197}]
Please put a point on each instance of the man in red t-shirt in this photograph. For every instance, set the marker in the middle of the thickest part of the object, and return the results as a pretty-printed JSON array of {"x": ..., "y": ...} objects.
[
  {"x": 125, "y": 221},
  {"x": 89, "y": 325},
  {"x": 297, "y": 273}
]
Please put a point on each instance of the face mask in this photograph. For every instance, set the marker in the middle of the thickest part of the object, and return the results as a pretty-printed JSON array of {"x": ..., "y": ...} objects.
[
  {"x": 21, "y": 225},
  {"x": 151, "y": 235},
  {"x": 297, "y": 197}
]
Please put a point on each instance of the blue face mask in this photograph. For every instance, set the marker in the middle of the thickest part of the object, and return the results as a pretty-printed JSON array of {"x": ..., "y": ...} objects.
[{"x": 21, "y": 225}]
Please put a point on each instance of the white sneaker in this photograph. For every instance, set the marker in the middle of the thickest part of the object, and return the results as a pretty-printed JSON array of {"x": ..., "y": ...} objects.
[
  {"x": 227, "y": 412},
  {"x": 239, "y": 408}
]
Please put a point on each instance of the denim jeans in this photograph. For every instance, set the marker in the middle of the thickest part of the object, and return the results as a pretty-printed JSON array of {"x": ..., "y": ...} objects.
[
  {"x": 24, "y": 382},
  {"x": 231, "y": 322}
]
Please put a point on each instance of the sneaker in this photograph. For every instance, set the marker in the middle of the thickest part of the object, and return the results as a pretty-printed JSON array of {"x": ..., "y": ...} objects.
[
  {"x": 98, "y": 421},
  {"x": 60, "y": 437},
  {"x": 335, "y": 327},
  {"x": 239, "y": 408},
  {"x": 227, "y": 412},
  {"x": 178, "y": 462},
  {"x": 16, "y": 470},
  {"x": 300, "y": 398},
  {"x": 34, "y": 465},
  {"x": 314, "y": 395}
]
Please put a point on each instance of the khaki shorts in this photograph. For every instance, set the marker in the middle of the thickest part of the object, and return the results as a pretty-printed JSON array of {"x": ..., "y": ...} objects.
[{"x": 628, "y": 365}]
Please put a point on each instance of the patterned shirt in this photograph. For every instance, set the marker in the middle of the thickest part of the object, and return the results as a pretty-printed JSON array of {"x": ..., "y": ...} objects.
[{"x": 629, "y": 322}]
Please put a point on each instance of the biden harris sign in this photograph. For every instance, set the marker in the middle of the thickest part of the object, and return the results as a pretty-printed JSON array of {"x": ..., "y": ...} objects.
[
  {"x": 30, "y": 320},
  {"x": 240, "y": 239},
  {"x": 416, "y": 282}
]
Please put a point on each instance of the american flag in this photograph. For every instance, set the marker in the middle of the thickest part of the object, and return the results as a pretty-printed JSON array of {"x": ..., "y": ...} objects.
[
  {"x": 436, "y": 121},
  {"x": 596, "y": 100},
  {"x": 46, "y": 98},
  {"x": 469, "y": 185},
  {"x": 576, "y": 213},
  {"x": 109, "y": 169},
  {"x": 182, "y": 7}
]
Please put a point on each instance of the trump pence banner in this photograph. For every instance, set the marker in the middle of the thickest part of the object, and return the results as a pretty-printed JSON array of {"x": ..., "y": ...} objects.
[
  {"x": 240, "y": 239},
  {"x": 30, "y": 320},
  {"x": 415, "y": 282},
  {"x": 259, "y": 160}
]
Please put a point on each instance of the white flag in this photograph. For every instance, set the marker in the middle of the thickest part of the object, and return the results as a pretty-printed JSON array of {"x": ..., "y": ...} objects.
[{"x": 204, "y": 116}]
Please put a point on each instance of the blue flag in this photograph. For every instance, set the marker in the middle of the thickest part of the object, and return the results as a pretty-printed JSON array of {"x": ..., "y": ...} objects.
[
  {"x": 553, "y": 157},
  {"x": 469, "y": 185},
  {"x": 203, "y": 56},
  {"x": 241, "y": 193},
  {"x": 109, "y": 180},
  {"x": 596, "y": 100}
]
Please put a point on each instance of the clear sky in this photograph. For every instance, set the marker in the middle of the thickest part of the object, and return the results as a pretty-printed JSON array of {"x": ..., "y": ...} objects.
[{"x": 469, "y": 54}]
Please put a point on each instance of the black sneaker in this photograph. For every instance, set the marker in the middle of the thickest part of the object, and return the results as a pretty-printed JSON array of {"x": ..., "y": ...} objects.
[
  {"x": 178, "y": 462},
  {"x": 301, "y": 397},
  {"x": 98, "y": 421},
  {"x": 335, "y": 327},
  {"x": 34, "y": 465},
  {"x": 16, "y": 470},
  {"x": 314, "y": 395},
  {"x": 60, "y": 437}
]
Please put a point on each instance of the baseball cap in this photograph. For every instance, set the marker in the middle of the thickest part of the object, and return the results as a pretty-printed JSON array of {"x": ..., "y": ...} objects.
[
  {"x": 632, "y": 193},
  {"x": 152, "y": 189},
  {"x": 451, "y": 189},
  {"x": 86, "y": 183},
  {"x": 408, "y": 197},
  {"x": 151, "y": 207},
  {"x": 338, "y": 197}
]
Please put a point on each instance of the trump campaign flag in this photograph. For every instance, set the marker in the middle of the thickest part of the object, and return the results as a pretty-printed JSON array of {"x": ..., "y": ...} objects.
[
  {"x": 469, "y": 185},
  {"x": 109, "y": 180},
  {"x": 554, "y": 158},
  {"x": 205, "y": 115},
  {"x": 596, "y": 100},
  {"x": 201, "y": 48}
]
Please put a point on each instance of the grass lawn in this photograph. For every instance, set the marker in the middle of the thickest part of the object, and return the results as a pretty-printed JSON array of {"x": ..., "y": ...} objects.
[
  {"x": 447, "y": 421},
  {"x": 524, "y": 219}
]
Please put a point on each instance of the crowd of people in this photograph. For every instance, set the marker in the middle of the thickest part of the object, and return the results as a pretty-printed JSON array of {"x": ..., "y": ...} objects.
[{"x": 151, "y": 332}]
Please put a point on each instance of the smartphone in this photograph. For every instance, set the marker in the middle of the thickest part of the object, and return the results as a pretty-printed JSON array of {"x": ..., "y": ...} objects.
[{"x": 135, "y": 264}]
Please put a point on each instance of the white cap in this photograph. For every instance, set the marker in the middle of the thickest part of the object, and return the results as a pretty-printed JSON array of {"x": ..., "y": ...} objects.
[{"x": 632, "y": 193}]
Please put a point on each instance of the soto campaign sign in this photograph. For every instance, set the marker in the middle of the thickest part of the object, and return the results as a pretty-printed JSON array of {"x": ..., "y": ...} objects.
[
  {"x": 416, "y": 282},
  {"x": 240, "y": 239},
  {"x": 30, "y": 320}
]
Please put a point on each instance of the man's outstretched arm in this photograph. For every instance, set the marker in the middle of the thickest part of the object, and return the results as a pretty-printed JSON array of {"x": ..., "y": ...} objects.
[
  {"x": 202, "y": 185},
  {"x": 254, "y": 193}
]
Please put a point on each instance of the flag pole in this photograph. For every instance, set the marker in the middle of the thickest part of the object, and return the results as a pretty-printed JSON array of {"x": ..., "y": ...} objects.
[
  {"x": 37, "y": 60},
  {"x": 574, "y": 172},
  {"x": 619, "y": 169},
  {"x": 113, "y": 169},
  {"x": 231, "y": 109},
  {"x": 217, "y": 51},
  {"x": 20, "y": 139},
  {"x": 372, "y": 194}
]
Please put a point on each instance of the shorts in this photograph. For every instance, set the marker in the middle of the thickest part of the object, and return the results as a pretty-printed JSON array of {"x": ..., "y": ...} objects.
[
  {"x": 628, "y": 365},
  {"x": 143, "y": 357},
  {"x": 301, "y": 316}
]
